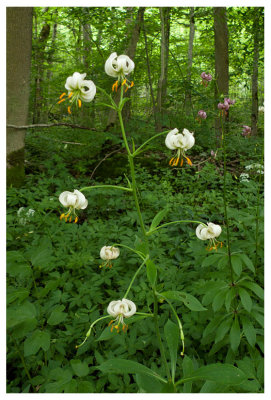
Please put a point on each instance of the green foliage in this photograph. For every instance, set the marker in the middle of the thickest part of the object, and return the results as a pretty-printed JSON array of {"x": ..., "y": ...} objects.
[{"x": 55, "y": 288}]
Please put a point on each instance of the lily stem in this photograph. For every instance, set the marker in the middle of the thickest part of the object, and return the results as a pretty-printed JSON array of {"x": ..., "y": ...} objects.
[{"x": 161, "y": 346}]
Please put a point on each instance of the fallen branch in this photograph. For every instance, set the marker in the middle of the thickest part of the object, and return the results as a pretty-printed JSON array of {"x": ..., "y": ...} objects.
[{"x": 50, "y": 125}]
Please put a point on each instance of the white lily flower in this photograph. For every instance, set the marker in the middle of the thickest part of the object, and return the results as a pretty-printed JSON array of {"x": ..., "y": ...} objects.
[
  {"x": 209, "y": 232},
  {"x": 108, "y": 253},
  {"x": 75, "y": 201},
  {"x": 79, "y": 90},
  {"x": 180, "y": 142},
  {"x": 120, "y": 309},
  {"x": 118, "y": 67}
]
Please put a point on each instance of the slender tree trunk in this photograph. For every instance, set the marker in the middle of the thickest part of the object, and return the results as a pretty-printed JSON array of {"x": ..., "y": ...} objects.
[
  {"x": 221, "y": 58},
  {"x": 19, "y": 42},
  {"x": 40, "y": 58},
  {"x": 162, "y": 83},
  {"x": 130, "y": 51},
  {"x": 188, "y": 96},
  {"x": 149, "y": 74},
  {"x": 254, "y": 86},
  {"x": 49, "y": 71}
]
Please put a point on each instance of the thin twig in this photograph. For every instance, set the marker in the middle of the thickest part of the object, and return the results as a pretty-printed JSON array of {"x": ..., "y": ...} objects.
[{"x": 100, "y": 162}]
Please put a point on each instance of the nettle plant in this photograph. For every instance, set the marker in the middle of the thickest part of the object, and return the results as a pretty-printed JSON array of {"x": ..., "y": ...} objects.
[{"x": 121, "y": 311}]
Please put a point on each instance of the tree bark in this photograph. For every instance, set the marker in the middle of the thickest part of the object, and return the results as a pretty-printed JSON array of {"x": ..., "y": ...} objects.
[
  {"x": 40, "y": 58},
  {"x": 162, "y": 83},
  {"x": 19, "y": 44},
  {"x": 221, "y": 58},
  {"x": 254, "y": 85},
  {"x": 149, "y": 74},
  {"x": 130, "y": 51},
  {"x": 188, "y": 95}
]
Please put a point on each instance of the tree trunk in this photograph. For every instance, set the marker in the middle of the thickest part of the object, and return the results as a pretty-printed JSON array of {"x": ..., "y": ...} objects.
[
  {"x": 149, "y": 74},
  {"x": 188, "y": 95},
  {"x": 19, "y": 43},
  {"x": 162, "y": 83},
  {"x": 130, "y": 51},
  {"x": 221, "y": 58},
  {"x": 40, "y": 58},
  {"x": 254, "y": 86},
  {"x": 50, "y": 72}
]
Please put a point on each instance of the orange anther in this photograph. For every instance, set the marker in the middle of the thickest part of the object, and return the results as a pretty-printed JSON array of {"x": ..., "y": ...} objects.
[
  {"x": 123, "y": 83},
  {"x": 132, "y": 84},
  {"x": 63, "y": 94},
  {"x": 188, "y": 161},
  {"x": 69, "y": 110},
  {"x": 70, "y": 95},
  {"x": 61, "y": 216},
  {"x": 70, "y": 219},
  {"x": 79, "y": 103},
  {"x": 76, "y": 219},
  {"x": 181, "y": 164},
  {"x": 60, "y": 101}
]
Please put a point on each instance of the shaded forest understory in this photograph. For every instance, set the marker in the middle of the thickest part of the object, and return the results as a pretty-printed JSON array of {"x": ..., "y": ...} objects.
[{"x": 198, "y": 324}]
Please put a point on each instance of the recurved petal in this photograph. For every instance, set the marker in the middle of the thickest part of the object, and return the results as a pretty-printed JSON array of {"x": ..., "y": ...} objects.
[
  {"x": 170, "y": 139},
  {"x": 112, "y": 308},
  {"x": 88, "y": 94},
  {"x": 74, "y": 82},
  {"x": 81, "y": 201},
  {"x": 125, "y": 64},
  {"x": 201, "y": 232},
  {"x": 216, "y": 229},
  {"x": 110, "y": 67},
  {"x": 63, "y": 198},
  {"x": 131, "y": 307}
]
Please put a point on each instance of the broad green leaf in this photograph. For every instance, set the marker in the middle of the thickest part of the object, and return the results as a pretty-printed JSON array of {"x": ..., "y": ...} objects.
[
  {"x": 245, "y": 299},
  {"x": 172, "y": 337},
  {"x": 57, "y": 316},
  {"x": 17, "y": 266},
  {"x": 158, "y": 218},
  {"x": 86, "y": 387},
  {"x": 188, "y": 368},
  {"x": 21, "y": 313},
  {"x": 79, "y": 368},
  {"x": 223, "y": 329},
  {"x": 16, "y": 294},
  {"x": 247, "y": 261},
  {"x": 151, "y": 272},
  {"x": 119, "y": 365},
  {"x": 168, "y": 387},
  {"x": 249, "y": 330},
  {"x": 219, "y": 300},
  {"x": 229, "y": 297},
  {"x": 235, "y": 334},
  {"x": 254, "y": 288},
  {"x": 148, "y": 383},
  {"x": 236, "y": 264},
  {"x": 39, "y": 339},
  {"x": 190, "y": 301},
  {"x": 259, "y": 317},
  {"x": 224, "y": 374},
  {"x": 213, "y": 259}
]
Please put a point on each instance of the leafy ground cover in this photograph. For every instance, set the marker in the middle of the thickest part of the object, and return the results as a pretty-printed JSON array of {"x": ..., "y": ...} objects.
[{"x": 55, "y": 288}]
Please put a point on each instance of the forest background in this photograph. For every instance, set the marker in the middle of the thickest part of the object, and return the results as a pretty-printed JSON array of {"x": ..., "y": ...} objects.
[{"x": 171, "y": 47}]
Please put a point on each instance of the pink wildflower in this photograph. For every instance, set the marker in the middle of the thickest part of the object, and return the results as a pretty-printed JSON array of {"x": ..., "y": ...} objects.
[
  {"x": 202, "y": 114},
  {"x": 246, "y": 130}
]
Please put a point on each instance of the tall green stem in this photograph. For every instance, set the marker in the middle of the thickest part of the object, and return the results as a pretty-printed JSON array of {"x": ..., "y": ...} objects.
[
  {"x": 161, "y": 346},
  {"x": 135, "y": 275}
]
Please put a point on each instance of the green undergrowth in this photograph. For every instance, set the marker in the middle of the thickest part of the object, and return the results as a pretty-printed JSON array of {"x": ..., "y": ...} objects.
[{"x": 55, "y": 287}]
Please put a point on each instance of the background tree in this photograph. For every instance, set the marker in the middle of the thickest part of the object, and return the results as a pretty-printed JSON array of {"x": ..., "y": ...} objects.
[
  {"x": 164, "y": 52},
  {"x": 188, "y": 94},
  {"x": 221, "y": 55},
  {"x": 19, "y": 43}
]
